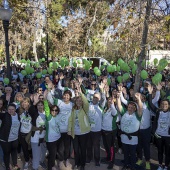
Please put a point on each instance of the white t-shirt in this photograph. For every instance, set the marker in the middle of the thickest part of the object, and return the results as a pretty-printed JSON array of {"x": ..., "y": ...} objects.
[
  {"x": 129, "y": 124},
  {"x": 95, "y": 117},
  {"x": 163, "y": 124},
  {"x": 107, "y": 118},
  {"x": 52, "y": 130},
  {"x": 25, "y": 123},
  {"x": 39, "y": 122},
  {"x": 146, "y": 118},
  {"x": 63, "y": 116},
  {"x": 13, "y": 135}
]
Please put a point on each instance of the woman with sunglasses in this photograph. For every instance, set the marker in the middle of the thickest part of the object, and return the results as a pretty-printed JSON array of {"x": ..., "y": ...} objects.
[
  {"x": 18, "y": 99},
  {"x": 9, "y": 135},
  {"x": 161, "y": 129},
  {"x": 26, "y": 125},
  {"x": 65, "y": 106},
  {"x": 37, "y": 138},
  {"x": 25, "y": 90},
  {"x": 52, "y": 133},
  {"x": 35, "y": 97},
  {"x": 79, "y": 128}
]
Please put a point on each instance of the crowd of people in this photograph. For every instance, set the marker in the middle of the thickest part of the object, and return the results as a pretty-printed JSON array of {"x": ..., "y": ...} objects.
[{"x": 74, "y": 111}]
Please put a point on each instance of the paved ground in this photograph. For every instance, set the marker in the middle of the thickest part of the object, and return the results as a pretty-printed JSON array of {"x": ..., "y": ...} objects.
[{"x": 118, "y": 162}]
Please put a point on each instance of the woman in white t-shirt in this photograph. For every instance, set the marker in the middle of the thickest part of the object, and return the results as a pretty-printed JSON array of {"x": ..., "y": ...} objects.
[
  {"x": 130, "y": 123},
  {"x": 37, "y": 138},
  {"x": 9, "y": 135},
  {"x": 161, "y": 129}
]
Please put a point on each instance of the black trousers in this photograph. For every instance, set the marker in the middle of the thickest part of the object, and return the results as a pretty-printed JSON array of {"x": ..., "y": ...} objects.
[
  {"x": 108, "y": 142},
  {"x": 144, "y": 144},
  {"x": 9, "y": 148},
  {"x": 64, "y": 146},
  {"x": 129, "y": 155},
  {"x": 163, "y": 144},
  {"x": 79, "y": 145},
  {"x": 24, "y": 146},
  {"x": 94, "y": 144},
  {"x": 52, "y": 149}
]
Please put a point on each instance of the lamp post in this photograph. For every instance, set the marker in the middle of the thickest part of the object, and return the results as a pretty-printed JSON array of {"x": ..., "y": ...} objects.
[{"x": 5, "y": 16}]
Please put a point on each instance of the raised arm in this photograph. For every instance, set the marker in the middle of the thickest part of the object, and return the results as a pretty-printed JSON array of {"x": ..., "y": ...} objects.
[
  {"x": 140, "y": 104},
  {"x": 123, "y": 100},
  {"x": 113, "y": 109},
  {"x": 85, "y": 103},
  {"x": 151, "y": 105},
  {"x": 119, "y": 104},
  {"x": 157, "y": 96},
  {"x": 60, "y": 81}
]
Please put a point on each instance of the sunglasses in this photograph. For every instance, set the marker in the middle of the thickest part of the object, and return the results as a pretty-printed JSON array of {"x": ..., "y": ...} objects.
[
  {"x": 93, "y": 84},
  {"x": 55, "y": 110},
  {"x": 41, "y": 98},
  {"x": 23, "y": 88}
]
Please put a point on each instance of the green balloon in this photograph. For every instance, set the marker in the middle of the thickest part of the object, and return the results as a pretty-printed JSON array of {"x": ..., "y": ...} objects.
[
  {"x": 66, "y": 62},
  {"x": 126, "y": 76},
  {"x": 23, "y": 61},
  {"x": 37, "y": 65},
  {"x": 120, "y": 62},
  {"x": 28, "y": 61},
  {"x": 50, "y": 71},
  {"x": 134, "y": 69},
  {"x": 75, "y": 64},
  {"x": 131, "y": 63},
  {"x": 118, "y": 68},
  {"x": 39, "y": 75},
  {"x": 143, "y": 63},
  {"x": 6, "y": 81},
  {"x": 112, "y": 62},
  {"x": 119, "y": 79},
  {"x": 113, "y": 68},
  {"x": 44, "y": 72},
  {"x": 43, "y": 59},
  {"x": 168, "y": 98},
  {"x": 23, "y": 72},
  {"x": 62, "y": 63},
  {"x": 155, "y": 61},
  {"x": 98, "y": 72},
  {"x": 109, "y": 69},
  {"x": 28, "y": 69},
  {"x": 125, "y": 67},
  {"x": 144, "y": 74},
  {"x": 51, "y": 64},
  {"x": 32, "y": 70},
  {"x": 108, "y": 81},
  {"x": 95, "y": 69},
  {"x": 55, "y": 65},
  {"x": 102, "y": 67},
  {"x": 40, "y": 60}
]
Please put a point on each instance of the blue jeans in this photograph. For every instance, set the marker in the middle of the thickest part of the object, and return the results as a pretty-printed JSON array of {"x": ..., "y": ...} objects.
[{"x": 1, "y": 154}]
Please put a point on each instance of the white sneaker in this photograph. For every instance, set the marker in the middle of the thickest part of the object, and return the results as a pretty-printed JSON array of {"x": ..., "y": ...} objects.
[
  {"x": 26, "y": 166},
  {"x": 61, "y": 165},
  {"x": 160, "y": 168},
  {"x": 68, "y": 164}
]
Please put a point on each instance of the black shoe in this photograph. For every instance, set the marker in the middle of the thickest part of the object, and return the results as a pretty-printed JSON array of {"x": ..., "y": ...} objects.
[
  {"x": 104, "y": 161},
  {"x": 110, "y": 166},
  {"x": 82, "y": 168},
  {"x": 88, "y": 161},
  {"x": 125, "y": 168},
  {"x": 97, "y": 164}
]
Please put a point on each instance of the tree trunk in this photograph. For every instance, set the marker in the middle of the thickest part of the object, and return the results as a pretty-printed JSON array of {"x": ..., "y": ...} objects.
[{"x": 143, "y": 44}]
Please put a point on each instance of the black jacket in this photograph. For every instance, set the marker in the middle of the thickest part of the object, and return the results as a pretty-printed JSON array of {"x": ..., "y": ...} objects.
[{"x": 5, "y": 126}]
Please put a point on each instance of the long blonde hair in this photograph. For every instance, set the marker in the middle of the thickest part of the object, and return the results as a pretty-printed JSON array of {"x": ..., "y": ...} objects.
[{"x": 21, "y": 109}]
